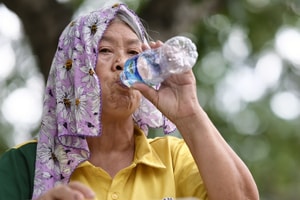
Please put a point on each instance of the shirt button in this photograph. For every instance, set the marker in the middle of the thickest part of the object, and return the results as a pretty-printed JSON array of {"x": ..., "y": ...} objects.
[{"x": 114, "y": 196}]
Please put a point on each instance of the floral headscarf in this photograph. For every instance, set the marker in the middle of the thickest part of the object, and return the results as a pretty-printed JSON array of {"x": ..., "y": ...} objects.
[{"x": 72, "y": 103}]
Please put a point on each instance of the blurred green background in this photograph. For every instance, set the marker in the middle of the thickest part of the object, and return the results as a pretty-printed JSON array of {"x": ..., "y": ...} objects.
[{"x": 248, "y": 73}]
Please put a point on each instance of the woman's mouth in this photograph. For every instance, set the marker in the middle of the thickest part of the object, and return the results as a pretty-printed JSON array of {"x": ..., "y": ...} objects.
[{"x": 119, "y": 82}]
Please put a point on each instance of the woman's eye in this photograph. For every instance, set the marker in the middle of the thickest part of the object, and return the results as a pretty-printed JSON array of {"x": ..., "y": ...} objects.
[
  {"x": 104, "y": 50},
  {"x": 133, "y": 52}
]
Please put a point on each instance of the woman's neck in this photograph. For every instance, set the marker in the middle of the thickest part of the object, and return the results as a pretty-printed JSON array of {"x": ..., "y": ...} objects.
[
  {"x": 115, "y": 136},
  {"x": 114, "y": 149}
]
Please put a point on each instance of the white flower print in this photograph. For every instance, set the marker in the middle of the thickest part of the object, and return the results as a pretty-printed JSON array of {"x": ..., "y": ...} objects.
[
  {"x": 91, "y": 131},
  {"x": 148, "y": 114},
  {"x": 65, "y": 98},
  {"x": 80, "y": 155},
  {"x": 48, "y": 123},
  {"x": 80, "y": 103},
  {"x": 40, "y": 175},
  {"x": 78, "y": 53},
  {"x": 53, "y": 158},
  {"x": 46, "y": 157},
  {"x": 93, "y": 27},
  {"x": 89, "y": 79},
  {"x": 64, "y": 62},
  {"x": 78, "y": 50},
  {"x": 70, "y": 141},
  {"x": 61, "y": 155},
  {"x": 94, "y": 94},
  {"x": 70, "y": 33}
]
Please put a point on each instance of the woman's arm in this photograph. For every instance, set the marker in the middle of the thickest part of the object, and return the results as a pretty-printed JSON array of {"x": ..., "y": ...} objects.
[{"x": 223, "y": 172}]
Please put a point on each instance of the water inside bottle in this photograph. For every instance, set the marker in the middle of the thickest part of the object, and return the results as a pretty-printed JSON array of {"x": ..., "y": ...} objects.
[{"x": 141, "y": 68}]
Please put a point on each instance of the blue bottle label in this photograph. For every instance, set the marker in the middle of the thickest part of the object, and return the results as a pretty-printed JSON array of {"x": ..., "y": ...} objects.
[
  {"x": 130, "y": 74},
  {"x": 143, "y": 68}
]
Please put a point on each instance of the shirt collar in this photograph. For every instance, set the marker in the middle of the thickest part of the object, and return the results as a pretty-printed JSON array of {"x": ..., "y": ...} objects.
[{"x": 144, "y": 153}]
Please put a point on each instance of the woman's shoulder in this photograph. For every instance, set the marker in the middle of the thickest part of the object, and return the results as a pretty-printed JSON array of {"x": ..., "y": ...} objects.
[
  {"x": 20, "y": 156},
  {"x": 29, "y": 145},
  {"x": 17, "y": 166},
  {"x": 168, "y": 142},
  {"x": 26, "y": 150},
  {"x": 166, "y": 139},
  {"x": 26, "y": 144}
]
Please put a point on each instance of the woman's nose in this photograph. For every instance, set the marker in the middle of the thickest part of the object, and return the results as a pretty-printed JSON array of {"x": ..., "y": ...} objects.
[{"x": 119, "y": 63}]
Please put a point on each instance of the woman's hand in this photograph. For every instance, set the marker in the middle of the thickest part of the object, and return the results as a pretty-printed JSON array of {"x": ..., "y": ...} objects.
[
  {"x": 72, "y": 191},
  {"x": 176, "y": 97}
]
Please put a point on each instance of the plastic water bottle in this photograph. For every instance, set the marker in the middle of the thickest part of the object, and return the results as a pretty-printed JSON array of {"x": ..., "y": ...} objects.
[{"x": 153, "y": 66}]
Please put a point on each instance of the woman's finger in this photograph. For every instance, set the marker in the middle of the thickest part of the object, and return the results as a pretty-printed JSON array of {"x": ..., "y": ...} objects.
[
  {"x": 152, "y": 45},
  {"x": 83, "y": 189},
  {"x": 72, "y": 191},
  {"x": 156, "y": 44}
]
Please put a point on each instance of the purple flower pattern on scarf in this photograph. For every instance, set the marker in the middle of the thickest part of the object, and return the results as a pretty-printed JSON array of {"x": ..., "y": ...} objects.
[{"x": 72, "y": 102}]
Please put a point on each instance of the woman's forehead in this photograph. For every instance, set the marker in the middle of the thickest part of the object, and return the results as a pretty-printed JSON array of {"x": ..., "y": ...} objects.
[{"x": 118, "y": 29}]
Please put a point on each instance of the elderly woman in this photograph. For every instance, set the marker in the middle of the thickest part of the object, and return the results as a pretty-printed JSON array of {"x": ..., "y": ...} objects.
[{"x": 92, "y": 143}]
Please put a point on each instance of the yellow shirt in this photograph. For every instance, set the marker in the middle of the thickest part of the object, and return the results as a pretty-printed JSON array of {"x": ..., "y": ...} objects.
[{"x": 162, "y": 169}]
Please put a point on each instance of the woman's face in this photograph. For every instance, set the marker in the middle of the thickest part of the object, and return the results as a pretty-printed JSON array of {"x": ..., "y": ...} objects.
[{"x": 118, "y": 44}]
